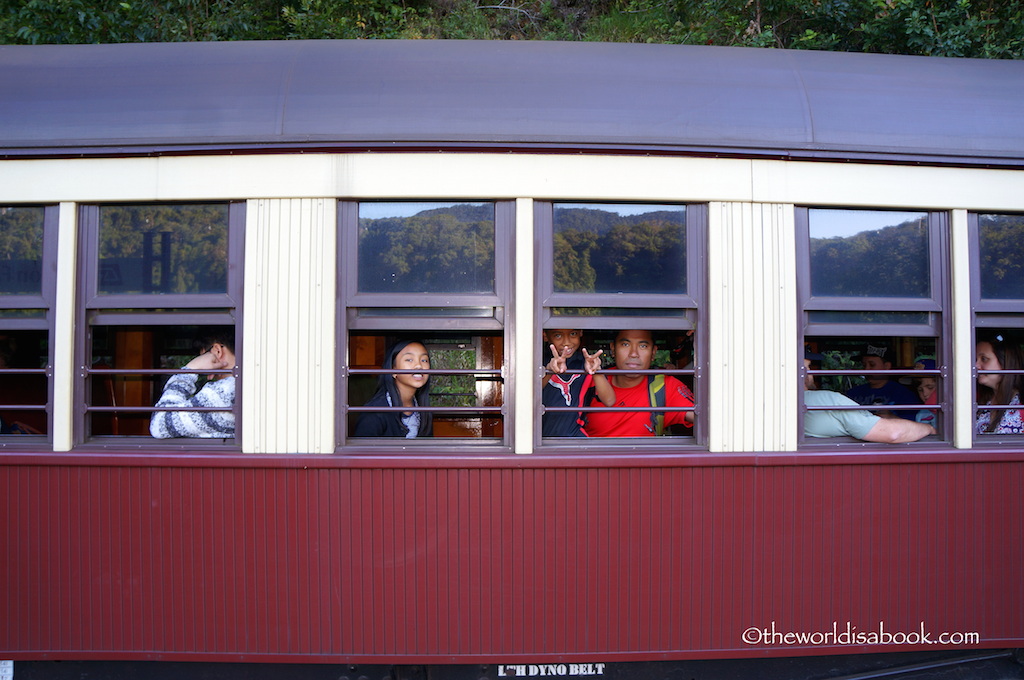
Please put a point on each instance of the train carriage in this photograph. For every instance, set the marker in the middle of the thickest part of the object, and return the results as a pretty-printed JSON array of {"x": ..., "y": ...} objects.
[{"x": 319, "y": 202}]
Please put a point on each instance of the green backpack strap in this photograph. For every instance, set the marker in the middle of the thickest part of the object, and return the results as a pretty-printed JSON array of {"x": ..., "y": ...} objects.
[{"x": 656, "y": 390}]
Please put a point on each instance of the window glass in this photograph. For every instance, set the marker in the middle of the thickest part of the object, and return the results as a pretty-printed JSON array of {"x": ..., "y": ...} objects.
[
  {"x": 843, "y": 317},
  {"x": 603, "y": 248},
  {"x": 1001, "y": 249},
  {"x": 869, "y": 253},
  {"x": 22, "y": 313},
  {"x": 21, "y": 250},
  {"x": 412, "y": 312},
  {"x": 426, "y": 248},
  {"x": 617, "y": 311},
  {"x": 24, "y": 355},
  {"x": 173, "y": 248}
]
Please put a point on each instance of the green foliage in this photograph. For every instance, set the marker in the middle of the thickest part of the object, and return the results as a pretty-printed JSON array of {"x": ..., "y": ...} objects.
[
  {"x": 453, "y": 390},
  {"x": 453, "y": 20},
  {"x": 840, "y": 360},
  {"x": 962, "y": 28},
  {"x": 115, "y": 21},
  {"x": 641, "y": 21},
  {"x": 957, "y": 28},
  {"x": 318, "y": 19}
]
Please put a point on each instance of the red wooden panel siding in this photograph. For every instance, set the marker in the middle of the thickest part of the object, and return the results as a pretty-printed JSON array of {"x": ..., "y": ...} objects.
[{"x": 426, "y": 564}]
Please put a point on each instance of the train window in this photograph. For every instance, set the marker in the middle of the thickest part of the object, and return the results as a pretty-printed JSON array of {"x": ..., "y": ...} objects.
[
  {"x": 997, "y": 291},
  {"x": 162, "y": 285},
  {"x": 875, "y": 331},
  {"x": 424, "y": 290},
  {"x": 1000, "y": 253},
  {"x": 27, "y": 284},
  {"x": 625, "y": 280}
]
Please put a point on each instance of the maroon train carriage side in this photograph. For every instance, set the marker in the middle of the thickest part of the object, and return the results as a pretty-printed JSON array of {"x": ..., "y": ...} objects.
[{"x": 227, "y": 177}]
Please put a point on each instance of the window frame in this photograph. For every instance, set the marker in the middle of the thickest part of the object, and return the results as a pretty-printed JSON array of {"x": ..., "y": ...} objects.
[
  {"x": 45, "y": 300},
  {"x": 938, "y": 305},
  {"x": 125, "y": 310},
  {"x": 355, "y": 314},
  {"x": 988, "y": 314},
  {"x": 693, "y": 302}
]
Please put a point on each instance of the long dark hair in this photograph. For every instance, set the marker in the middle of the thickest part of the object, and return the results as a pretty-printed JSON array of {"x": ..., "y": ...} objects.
[
  {"x": 386, "y": 385},
  {"x": 1010, "y": 358}
]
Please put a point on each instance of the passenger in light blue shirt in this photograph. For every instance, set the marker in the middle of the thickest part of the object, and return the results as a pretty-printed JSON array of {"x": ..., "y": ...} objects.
[{"x": 860, "y": 424}]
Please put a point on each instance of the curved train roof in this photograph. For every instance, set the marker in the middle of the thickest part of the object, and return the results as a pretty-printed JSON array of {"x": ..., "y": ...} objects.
[{"x": 195, "y": 97}]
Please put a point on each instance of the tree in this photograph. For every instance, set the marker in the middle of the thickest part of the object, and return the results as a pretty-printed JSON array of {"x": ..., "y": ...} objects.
[
  {"x": 958, "y": 28},
  {"x": 116, "y": 21}
]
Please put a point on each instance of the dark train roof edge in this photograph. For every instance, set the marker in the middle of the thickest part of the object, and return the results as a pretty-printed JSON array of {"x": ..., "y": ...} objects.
[{"x": 333, "y": 95}]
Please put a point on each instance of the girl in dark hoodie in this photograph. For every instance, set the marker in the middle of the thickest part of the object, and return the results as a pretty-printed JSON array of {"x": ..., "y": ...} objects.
[{"x": 400, "y": 389}]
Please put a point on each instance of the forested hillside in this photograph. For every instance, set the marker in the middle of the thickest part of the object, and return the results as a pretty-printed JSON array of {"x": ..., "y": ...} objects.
[{"x": 955, "y": 28}]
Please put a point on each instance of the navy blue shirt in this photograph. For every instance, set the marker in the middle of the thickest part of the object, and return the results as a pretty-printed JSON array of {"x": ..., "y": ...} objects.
[
  {"x": 880, "y": 397},
  {"x": 565, "y": 390}
]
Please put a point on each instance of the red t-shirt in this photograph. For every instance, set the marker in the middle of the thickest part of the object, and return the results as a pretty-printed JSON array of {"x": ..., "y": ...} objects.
[{"x": 638, "y": 423}]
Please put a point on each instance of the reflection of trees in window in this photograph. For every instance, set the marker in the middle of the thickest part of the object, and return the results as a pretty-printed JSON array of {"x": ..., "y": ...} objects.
[
  {"x": 21, "y": 250},
  {"x": 1001, "y": 247},
  {"x": 442, "y": 250},
  {"x": 602, "y": 251},
  {"x": 573, "y": 270},
  {"x": 887, "y": 262},
  {"x": 163, "y": 249}
]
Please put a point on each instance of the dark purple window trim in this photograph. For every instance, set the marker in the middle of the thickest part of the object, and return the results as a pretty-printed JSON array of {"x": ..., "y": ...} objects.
[
  {"x": 43, "y": 301},
  {"x": 939, "y": 326},
  {"x": 351, "y": 301},
  {"x": 990, "y": 314},
  {"x": 150, "y": 310},
  {"x": 694, "y": 302}
]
